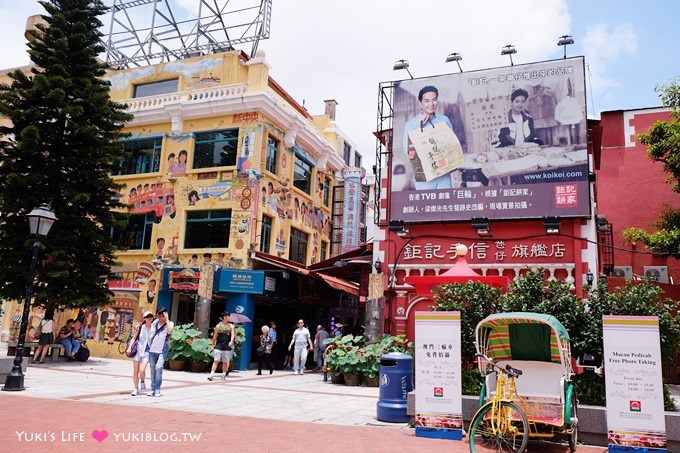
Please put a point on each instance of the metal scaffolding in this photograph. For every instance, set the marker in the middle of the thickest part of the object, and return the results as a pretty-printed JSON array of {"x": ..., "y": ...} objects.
[{"x": 146, "y": 32}]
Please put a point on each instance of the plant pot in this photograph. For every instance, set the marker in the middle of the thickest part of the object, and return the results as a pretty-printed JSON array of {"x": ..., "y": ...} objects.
[
  {"x": 353, "y": 379},
  {"x": 371, "y": 381},
  {"x": 336, "y": 378},
  {"x": 198, "y": 367},
  {"x": 176, "y": 365}
]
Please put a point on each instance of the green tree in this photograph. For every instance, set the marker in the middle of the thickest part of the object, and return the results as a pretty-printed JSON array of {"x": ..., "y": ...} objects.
[
  {"x": 475, "y": 301},
  {"x": 663, "y": 145},
  {"x": 61, "y": 147},
  {"x": 531, "y": 292}
]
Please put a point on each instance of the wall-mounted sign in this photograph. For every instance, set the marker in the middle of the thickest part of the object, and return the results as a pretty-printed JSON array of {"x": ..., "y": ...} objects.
[
  {"x": 186, "y": 280},
  {"x": 241, "y": 281}
]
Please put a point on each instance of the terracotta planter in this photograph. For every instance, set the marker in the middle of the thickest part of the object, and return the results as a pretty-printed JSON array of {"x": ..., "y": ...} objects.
[
  {"x": 176, "y": 365},
  {"x": 371, "y": 381},
  {"x": 336, "y": 378},
  {"x": 353, "y": 379},
  {"x": 198, "y": 367}
]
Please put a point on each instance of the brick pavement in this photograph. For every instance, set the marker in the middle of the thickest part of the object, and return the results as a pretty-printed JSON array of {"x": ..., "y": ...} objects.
[
  {"x": 72, "y": 425},
  {"x": 66, "y": 405}
]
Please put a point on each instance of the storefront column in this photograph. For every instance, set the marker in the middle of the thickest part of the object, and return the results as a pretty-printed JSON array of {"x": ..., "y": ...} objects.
[{"x": 400, "y": 306}]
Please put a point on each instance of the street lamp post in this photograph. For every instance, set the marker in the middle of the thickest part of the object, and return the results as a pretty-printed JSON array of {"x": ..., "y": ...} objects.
[{"x": 40, "y": 221}]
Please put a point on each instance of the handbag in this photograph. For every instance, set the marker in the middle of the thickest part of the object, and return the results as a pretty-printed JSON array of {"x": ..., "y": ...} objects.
[
  {"x": 131, "y": 348},
  {"x": 260, "y": 351},
  {"x": 38, "y": 330},
  {"x": 133, "y": 344}
]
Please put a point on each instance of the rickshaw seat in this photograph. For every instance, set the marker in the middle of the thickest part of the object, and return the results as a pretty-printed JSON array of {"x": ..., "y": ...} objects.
[{"x": 539, "y": 380}]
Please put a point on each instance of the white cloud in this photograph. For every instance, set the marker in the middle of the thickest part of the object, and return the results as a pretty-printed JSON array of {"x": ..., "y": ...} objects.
[{"x": 603, "y": 44}]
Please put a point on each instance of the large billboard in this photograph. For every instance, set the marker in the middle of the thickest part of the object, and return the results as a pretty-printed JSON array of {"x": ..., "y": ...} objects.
[{"x": 504, "y": 143}]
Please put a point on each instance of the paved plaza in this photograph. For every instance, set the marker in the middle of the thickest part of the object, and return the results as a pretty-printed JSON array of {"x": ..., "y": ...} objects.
[{"x": 74, "y": 407}]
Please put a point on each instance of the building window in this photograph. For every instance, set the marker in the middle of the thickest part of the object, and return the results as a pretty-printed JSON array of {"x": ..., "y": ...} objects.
[
  {"x": 266, "y": 234},
  {"x": 298, "y": 246},
  {"x": 326, "y": 191},
  {"x": 357, "y": 160},
  {"x": 272, "y": 151},
  {"x": 346, "y": 153},
  {"x": 144, "y": 156},
  {"x": 216, "y": 148},
  {"x": 155, "y": 88},
  {"x": 207, "y": 229},
  {"x": 324, "y": 251},
  {"x": 137, "y": 233},
  {"x": 302, "y": 174}
]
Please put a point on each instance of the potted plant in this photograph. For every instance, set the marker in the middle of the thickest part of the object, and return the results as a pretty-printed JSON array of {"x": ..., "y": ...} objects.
[
  {"x": 350, "y": 365},
  {"x": 201, "y": 354},
  {"x": 180, "y": 350},
  {"x": 343, "y": 358},
  {"x": 370, "y": 364}
]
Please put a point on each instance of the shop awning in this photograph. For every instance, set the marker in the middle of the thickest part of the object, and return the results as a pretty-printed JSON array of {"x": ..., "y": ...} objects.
[
  {"x": 279, "y": 262},
  {"x": 340, "y": 284}
]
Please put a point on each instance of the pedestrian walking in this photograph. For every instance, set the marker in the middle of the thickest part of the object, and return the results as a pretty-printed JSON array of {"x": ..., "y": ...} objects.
[
  {"x": 275, "y": 343},
  {"x": 224, "y": 338},
  {"x": 301, "y": 339},
  {"x": 264, "y": 352},
  {"x": 161, "y": 328},
  {"x": 319, "y": 346},
  {"x": 141, "y": 359}
]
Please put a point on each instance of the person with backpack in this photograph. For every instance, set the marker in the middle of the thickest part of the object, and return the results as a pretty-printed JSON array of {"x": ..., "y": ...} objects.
[{"x": 161, "y": 329}]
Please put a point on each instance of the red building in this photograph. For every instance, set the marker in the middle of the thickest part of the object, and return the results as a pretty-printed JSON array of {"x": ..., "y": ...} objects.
[{"x": 632, "y": 190}]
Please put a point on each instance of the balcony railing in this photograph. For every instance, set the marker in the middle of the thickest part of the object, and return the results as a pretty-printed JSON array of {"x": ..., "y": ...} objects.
[{"x": 185, "y": 97}]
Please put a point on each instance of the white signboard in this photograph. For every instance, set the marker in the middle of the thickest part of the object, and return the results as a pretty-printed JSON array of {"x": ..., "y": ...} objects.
[
  {"x": 632, "y": 362},
  {"x": 439, "y": 409}
]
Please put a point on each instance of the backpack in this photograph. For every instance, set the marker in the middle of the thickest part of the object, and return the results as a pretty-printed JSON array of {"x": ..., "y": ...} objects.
[{"x": 83, "y": 354}]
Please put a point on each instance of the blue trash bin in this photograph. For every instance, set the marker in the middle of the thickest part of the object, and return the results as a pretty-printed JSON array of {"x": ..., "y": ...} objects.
[{"x": 396, "y": 381}]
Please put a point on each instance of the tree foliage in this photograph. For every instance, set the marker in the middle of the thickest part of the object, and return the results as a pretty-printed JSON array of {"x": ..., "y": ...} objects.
[
  {"x": 61, "y": 148},
  {"x": 663, "y": 145},
  {"x": 475, "y": 301},
  {"x": 582, "y": 318}
]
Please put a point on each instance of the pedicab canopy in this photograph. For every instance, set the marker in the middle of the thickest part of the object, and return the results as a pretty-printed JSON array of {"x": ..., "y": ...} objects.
[{"x": 523, "y": 336}]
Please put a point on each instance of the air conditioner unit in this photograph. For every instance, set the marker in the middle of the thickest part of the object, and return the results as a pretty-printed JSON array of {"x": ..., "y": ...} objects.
[
  {"x": 623, "y": 272},
  {"x": 657, "y": 273}
]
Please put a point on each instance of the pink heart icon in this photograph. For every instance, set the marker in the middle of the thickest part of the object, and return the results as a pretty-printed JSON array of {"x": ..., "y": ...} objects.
[{"x": 99, "y": 436}]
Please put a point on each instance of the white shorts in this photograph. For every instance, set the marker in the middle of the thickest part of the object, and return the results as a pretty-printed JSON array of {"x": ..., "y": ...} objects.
[
  {"x": 222, "y": 356},
  {"x": 141, "y": 355}
]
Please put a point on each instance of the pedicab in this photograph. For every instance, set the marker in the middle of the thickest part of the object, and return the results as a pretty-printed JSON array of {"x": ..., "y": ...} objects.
[{"x": 528, "y": 393}]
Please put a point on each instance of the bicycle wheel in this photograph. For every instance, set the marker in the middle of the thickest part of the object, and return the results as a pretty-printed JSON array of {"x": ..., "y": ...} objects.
[{"x": 508, "y": 431}]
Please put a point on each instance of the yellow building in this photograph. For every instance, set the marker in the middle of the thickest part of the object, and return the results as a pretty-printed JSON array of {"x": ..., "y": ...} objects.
[{"x": 224, "y": 162}]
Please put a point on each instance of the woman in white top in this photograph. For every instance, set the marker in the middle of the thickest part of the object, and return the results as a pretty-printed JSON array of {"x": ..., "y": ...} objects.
[
  {"x": 141, "y": 359},
  {"x": 46, "y": 337}
]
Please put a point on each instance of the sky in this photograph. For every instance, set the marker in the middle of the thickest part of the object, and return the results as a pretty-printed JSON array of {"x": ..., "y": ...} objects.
[{"x": 343, "y": 50}]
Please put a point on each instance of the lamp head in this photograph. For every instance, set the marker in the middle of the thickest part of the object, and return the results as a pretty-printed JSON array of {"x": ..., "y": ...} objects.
[
  {"x": 565, "y": 40},
  {"x": 400, "y": 64},
  {"x": 378, "y": 266},
  {"x": 40, "y": 220},
  {"x": 508, "y": 50}
]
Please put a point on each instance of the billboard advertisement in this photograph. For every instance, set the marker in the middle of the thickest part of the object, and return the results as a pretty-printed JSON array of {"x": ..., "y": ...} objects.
[{"x": 504, "y": 143}]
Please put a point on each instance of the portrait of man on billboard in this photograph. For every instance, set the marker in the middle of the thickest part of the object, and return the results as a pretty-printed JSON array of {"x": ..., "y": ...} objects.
[{"x": 432, "y": 147}]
